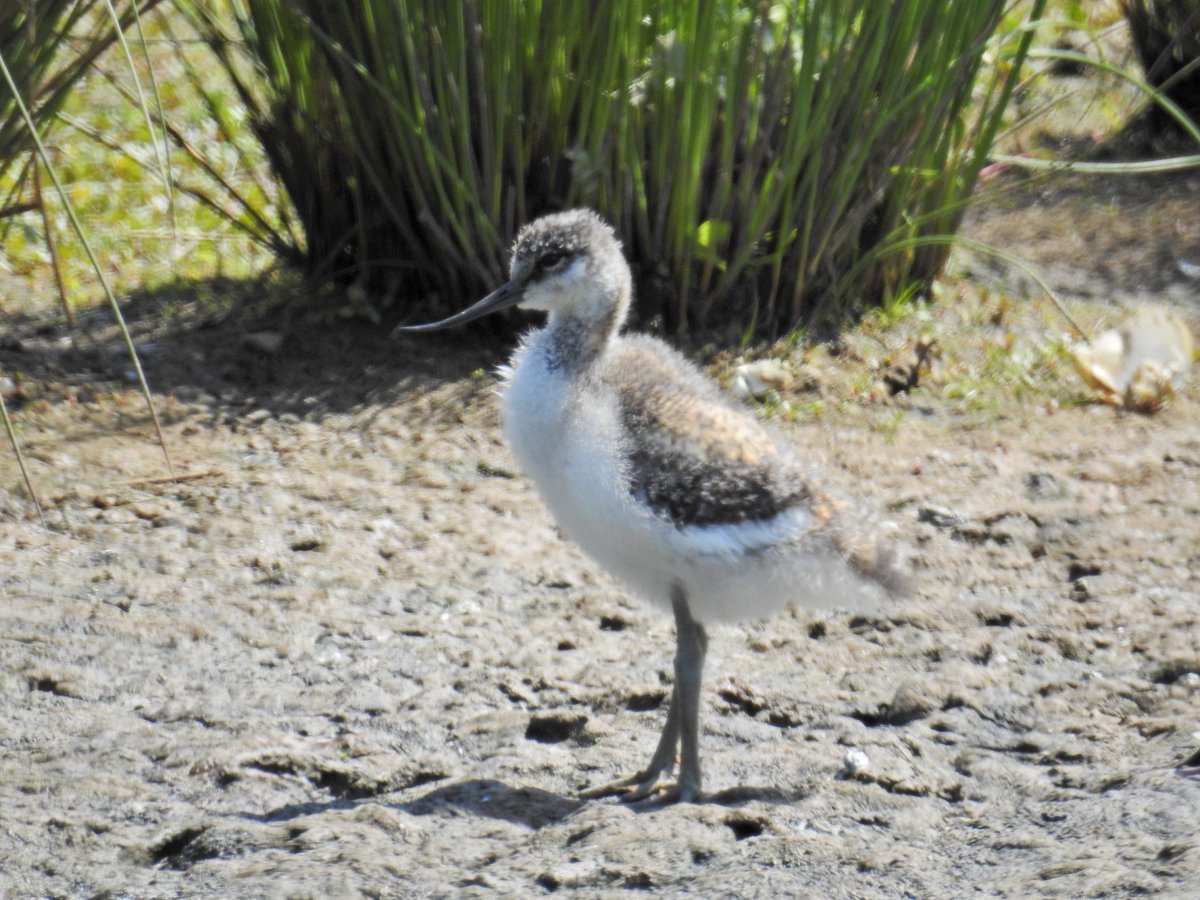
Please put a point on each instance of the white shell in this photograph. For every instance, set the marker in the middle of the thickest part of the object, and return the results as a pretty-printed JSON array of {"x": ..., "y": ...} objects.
[
  {"x": 757, "y": 379},
  {"x": 1141, "y": 361}
]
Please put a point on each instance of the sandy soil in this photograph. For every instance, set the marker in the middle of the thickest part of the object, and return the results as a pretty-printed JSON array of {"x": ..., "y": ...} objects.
[{"x": 348, "y": 654}]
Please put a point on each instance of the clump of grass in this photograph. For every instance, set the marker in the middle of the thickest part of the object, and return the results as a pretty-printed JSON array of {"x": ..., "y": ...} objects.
[{"x": 765, "y": 164}]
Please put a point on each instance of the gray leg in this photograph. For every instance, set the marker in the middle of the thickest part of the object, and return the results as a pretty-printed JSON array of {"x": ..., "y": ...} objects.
[
  {"x": 689, "y": 672},
  {"x": 683, "y": 720}
]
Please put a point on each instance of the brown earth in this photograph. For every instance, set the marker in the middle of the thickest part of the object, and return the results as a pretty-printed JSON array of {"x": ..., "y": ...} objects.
[{"x": 347, "y": 653}]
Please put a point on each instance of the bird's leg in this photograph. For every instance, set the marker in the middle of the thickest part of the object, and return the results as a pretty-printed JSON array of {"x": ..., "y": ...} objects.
[
  {"x": 689, "y": 673},
  {"x": 683, "y": 720}
]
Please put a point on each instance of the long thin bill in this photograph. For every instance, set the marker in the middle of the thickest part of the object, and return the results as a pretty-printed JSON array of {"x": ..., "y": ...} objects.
[{"x": 501, "y": 298}]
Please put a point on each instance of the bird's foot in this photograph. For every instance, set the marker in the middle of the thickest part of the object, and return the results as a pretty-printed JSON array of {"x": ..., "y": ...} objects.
[
  {"x": 680, "y": 792},
  {"x": 643, "y": 789},
  {"x": 636, "y": 787}
]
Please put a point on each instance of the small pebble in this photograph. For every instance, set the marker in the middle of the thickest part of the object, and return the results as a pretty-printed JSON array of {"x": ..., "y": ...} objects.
[{"x": 855, "y": 761}]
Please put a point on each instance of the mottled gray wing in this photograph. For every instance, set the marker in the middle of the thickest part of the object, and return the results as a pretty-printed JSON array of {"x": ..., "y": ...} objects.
[
  {"x": 692, "y": 457},
  {"x": 696, "y": 459}
]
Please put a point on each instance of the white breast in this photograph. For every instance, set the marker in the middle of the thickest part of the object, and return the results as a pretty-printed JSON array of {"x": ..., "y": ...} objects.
[
  {"x": 534, "y": 402},
  {"x": 566, "y": 436}
]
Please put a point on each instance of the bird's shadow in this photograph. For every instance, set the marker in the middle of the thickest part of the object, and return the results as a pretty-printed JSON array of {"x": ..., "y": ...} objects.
[
  {"x": 529, "y": 806},
  {"x": 486, "y": 798},
  {"x": 536, "y": 808},
  {"x": 730, "y": 798},
  {"x": 739, "y": 795},
  {"x": 291, "y": 811}
]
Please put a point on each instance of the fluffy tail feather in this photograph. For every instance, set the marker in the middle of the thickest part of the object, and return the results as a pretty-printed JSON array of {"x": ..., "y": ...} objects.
[{"x": 875, "y": 554}]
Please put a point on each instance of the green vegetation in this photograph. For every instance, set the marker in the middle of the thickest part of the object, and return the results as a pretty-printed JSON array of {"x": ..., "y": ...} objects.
[
  {"x": 40, "y": 70},
  {"x": 762, "y": 163},
  {"x": 45, "y": 67},
  {"x": 411, "y": 164},
  {"x": 164, "y": 188}
]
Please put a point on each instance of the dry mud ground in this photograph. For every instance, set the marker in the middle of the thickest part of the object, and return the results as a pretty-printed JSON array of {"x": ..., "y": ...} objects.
[{"x": 349, "y": 655}]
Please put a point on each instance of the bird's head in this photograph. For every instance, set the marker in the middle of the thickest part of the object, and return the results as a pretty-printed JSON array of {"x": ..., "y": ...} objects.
[{"x": 567, "y": 264}]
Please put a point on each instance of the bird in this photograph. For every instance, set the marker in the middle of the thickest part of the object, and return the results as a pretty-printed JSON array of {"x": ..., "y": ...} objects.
[{"x": 682, "y": 495}]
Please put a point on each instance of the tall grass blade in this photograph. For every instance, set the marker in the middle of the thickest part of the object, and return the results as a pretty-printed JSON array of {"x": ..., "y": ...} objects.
[
  {"x": 161, "y": 150},
  {"x": 1142, "y": 167},
  {"x": 16, "y": 445},
  {"x": 51, "y": 243},
  {"x": 164, "y": 171}
]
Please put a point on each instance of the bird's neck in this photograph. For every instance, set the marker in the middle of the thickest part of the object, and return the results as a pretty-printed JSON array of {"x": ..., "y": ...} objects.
[{"x": 575, "y": 340}]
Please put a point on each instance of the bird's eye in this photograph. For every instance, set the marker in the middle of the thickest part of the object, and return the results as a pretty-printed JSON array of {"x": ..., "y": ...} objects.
[{"x": 552, "y": 260}]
